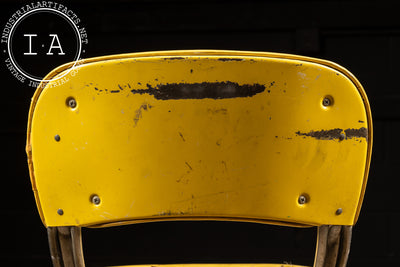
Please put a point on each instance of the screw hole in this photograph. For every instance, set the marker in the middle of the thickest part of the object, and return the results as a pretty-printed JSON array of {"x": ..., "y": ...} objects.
[
  {"x": 60, "y": 212},
  {"x": 339, "y": 211},
  {"x": 57, "y": 138},
  {"x": 303, "y": 199},
  {"x": 71, "y": 102},
  {"x": 327, "y": 101},
  {"x": 95, "y": 199}
]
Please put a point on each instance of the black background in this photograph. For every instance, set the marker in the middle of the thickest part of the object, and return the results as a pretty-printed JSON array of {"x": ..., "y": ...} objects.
[{"x": 363, "y": 36}]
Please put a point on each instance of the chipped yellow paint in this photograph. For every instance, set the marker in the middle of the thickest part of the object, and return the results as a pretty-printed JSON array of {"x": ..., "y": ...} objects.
[{"x": 239, "y": 136}]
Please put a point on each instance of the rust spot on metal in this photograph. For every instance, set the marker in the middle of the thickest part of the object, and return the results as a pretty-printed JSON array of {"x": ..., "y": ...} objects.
[
  {"x": 214, "y": 90},
  {"x": 336, "y": 133},
  {"x": 230, "y": 59}
]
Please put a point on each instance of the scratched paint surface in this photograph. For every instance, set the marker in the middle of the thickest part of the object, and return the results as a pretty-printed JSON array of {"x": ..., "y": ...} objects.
[{"x": 203, "y": 136}]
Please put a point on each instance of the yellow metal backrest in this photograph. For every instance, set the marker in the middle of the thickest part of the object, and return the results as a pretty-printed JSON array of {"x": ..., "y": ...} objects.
[{"x": 200, "y": 135}]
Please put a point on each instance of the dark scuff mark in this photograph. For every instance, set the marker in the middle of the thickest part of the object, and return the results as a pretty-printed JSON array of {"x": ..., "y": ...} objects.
[
  {"x": 214, "y": 90},
  {"x": 231, "y": 59},
  {"x": 120, "y": 87},
  {"x": 337, "y": 133},
  {"x": 171, "y": 213},
  {"x": 362, "y": 132},
  {"x": 129, "y": 85},
  {"x": 271, "y": 84},
  {"x": 173, "y": 58},
  {"x": 138, "y": 112},
  {"x": 181, "y": 135},
  {"x": 360, "y": 121},
  {"x": 191, "y": 70},
  {"x": 114, "y": 91},
  {"x": 190, "y": 167},
  {"x": 96, "y": 88},
  {"x": 323, "y": 134},
  {"x": 299, "y": 65},
  {"x": 224, "y": 163},
  {"x": 223, "y": 111}
]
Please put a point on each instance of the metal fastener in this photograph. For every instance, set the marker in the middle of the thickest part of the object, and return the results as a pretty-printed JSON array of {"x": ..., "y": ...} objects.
[
  {"x": 342, "y": 137},
  {"x": 96, "y": 199},
  {"x": 60, "y": 212},
  {"x": 57, "y": 138},
  {"x": 326, "y": 102},
  {"x": 339, "y": 211},
  {"x": 302, "y": 200},
  {"x": 71, "y": 102}
]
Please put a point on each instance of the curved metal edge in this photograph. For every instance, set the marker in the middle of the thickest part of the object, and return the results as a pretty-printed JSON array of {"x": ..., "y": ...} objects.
[{"x": 197, "y": 218}]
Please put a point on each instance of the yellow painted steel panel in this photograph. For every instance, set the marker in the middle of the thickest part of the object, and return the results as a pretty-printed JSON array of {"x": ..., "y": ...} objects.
[{"x": 200, "y": 135}]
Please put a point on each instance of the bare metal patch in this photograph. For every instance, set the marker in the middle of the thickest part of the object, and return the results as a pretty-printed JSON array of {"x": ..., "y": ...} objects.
[
  {"x": 174, "y": 58},
  {"x": 231, "y": 59},
  {"x": 336, "y": 133},
  {"x": 214, "y": 90},
  {"x": 362, "y": 132}
]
